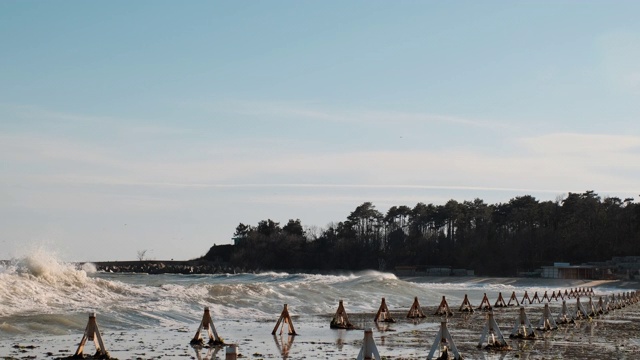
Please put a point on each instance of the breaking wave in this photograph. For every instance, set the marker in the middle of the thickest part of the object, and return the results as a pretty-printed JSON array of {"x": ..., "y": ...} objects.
[{"x": 41, "y": 293}]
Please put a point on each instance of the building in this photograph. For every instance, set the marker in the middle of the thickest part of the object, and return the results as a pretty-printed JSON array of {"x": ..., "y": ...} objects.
[{"x": 561, "y": 270}]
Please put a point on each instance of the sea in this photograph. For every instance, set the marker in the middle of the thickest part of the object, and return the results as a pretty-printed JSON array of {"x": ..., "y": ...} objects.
[{"x": 45, "y": 304}]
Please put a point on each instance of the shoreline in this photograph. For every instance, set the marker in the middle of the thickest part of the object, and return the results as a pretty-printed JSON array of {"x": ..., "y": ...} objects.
[
  {"x": 614, "y": 335},
  {"x": 406, "y": 339}
]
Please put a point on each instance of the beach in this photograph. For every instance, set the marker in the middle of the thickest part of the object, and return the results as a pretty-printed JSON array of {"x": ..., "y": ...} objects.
[{"x": 155, "y": 316}]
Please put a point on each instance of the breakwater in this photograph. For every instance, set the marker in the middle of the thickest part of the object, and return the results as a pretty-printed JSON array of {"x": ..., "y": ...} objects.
[{"x": 164, "y": 267}]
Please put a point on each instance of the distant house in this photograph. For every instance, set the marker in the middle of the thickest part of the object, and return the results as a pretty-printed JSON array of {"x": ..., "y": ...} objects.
[{"x": 562, "y": 270}]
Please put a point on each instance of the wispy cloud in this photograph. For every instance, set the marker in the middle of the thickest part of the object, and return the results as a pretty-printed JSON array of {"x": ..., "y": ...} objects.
[
  {"x": 584, "y": 145},
  {"x": 551, "y": 163},
  {"x": 308, "y": 111},
  {"x": 112, "y": 125}
]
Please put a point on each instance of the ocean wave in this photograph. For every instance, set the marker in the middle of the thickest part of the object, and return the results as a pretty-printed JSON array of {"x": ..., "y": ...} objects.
[{"x": 41, "y": 292}]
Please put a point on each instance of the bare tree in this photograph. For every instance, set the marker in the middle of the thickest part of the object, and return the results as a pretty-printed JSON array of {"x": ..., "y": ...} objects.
[{"x": 142, "y": 254}]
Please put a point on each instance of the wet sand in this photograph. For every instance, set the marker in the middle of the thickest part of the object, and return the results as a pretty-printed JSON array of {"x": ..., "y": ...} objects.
[{"x": 615, "y": 335}]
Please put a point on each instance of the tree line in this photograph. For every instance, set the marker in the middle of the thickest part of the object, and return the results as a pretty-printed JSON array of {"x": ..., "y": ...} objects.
[{"x": 492, "y": 239}]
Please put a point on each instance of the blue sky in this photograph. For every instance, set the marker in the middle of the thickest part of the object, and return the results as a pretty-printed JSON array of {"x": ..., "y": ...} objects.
[{"x": 162, "y": 125}]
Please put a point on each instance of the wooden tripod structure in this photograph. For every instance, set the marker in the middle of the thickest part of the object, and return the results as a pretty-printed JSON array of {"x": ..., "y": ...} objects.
[
  {"x": 368, "y": 351},
  {"x": 547, "y": 322},
  {"x": 536, "y": 297},
  {"x": 591, "y": 309},
  {"x": 564, "y": 317},
  {"x": 522, "y": 328},
  {"x": 602, "y": 309},
  {"x": 443, "y": 309},
  {"x": 514, "y": 299},
  {"x": 492, "y": 335},
  {"x": 444, "y": 343},
  {"x": 466, "y": 305},
  {"x": 340, "y": 319},
  {"x": 485, "y": 305},
  {"x": 416, "y": 310},
  {"x": 500, "y": 302},
  {"x": 580, "y": 312},
  {"x": 207, "y": 325},
  {"x": 285, "y": 319},
  {"x": 383, "y": 314},
  {"x": 92, "y": 333}
]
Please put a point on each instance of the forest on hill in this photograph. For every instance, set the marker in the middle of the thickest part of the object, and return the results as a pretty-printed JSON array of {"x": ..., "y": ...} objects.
[{"x": 500, "y": 239}]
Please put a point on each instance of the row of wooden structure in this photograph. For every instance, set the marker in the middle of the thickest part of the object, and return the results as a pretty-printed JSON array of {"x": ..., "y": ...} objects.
[{"x": 491, "y": 337}]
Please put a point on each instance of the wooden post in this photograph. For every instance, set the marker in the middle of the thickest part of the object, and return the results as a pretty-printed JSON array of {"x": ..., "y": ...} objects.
[
  {"x": 92, "y": 333},
  {"x": 522, "y": 328},
  {"x": 526, "y": 297},
  {"x": 383, "y": 314},
  {"x": 231, "y": 352},
  {"x": 500, "y": 302},
  {"x": 492, "y": 335},
  {"x": 466, "y": 305},
  {"x": 444, "y": 343},
  {"x": 443, "y": 309},
  {"x": 285, "y": 319},
  {"x": 484, "y": 305},
  {"x": 416, "y": 310},
  {"x": 340, "y": 319},
  {"x": 368, "y": 351},
  {"x": 513, "y": 299},
  {"x": 207, "y": 325}
]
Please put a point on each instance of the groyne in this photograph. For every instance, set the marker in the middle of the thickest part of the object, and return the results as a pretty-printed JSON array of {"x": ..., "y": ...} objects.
[{"x": 164, "y": 267}]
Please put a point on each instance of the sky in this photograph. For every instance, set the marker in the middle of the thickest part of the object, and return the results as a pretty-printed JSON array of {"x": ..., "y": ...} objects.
[{"x": 162, "y": 125}]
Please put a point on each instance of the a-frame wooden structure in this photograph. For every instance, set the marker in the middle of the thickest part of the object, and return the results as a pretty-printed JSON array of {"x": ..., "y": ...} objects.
[
  {"x": 580, "y": 312},
  {"x": 368, "y": 351},
  {"x": 443, "y": 308},
  {"x": 444, "y": 344},
  {"x": 535, "y": 298},
  {"x": 466, "y": 305},
  {"x": 602, "y": 308},
  {"x": 285, "y": 320},
  {"x": 591, "y": 309},
  {"x": 546, "y": 297},
  {"x": 564, "y": 317},
  {"x": 341, "y": 319},
  {"x": 209, "y": 327},
  {"x": 485, "y": 304},
  {"x": 383, "y": 314},
  {"x": 547, "y": 322},
  {"x": 92, "y": 333},
  {"x": 416, "y": 310},
  {"x": 492, "y": 335},
  {"x": 513, "y": 300},
  {"x": 500, "y": 302},
  {"x": 522, "y": 328}
]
